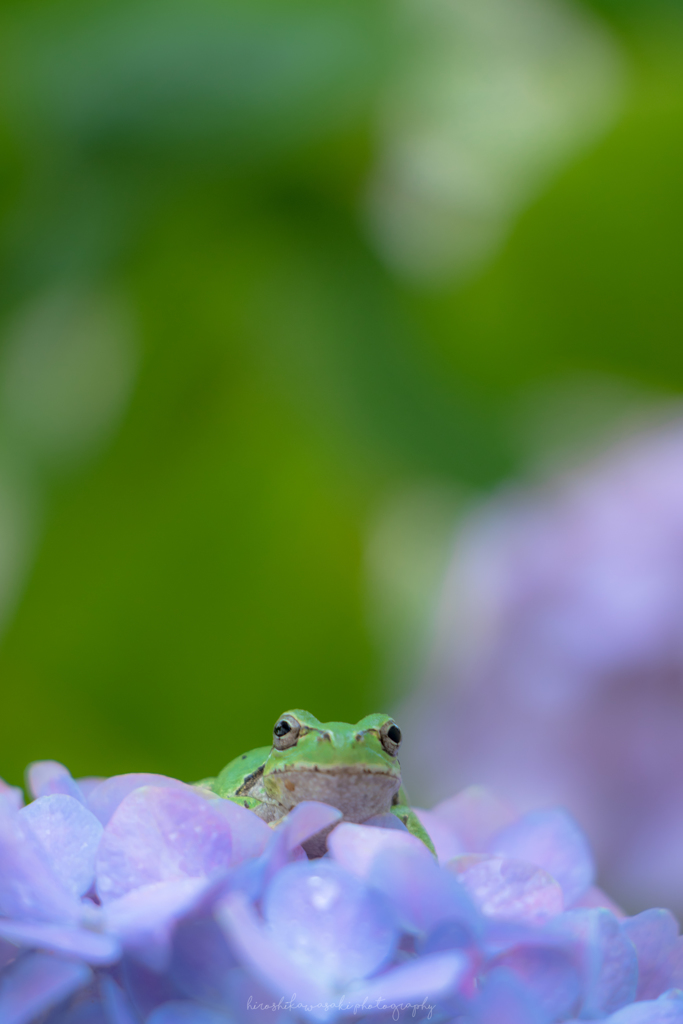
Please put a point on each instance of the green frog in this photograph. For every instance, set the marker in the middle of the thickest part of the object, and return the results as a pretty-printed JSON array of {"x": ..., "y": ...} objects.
[{"x": 352, "y": 767}]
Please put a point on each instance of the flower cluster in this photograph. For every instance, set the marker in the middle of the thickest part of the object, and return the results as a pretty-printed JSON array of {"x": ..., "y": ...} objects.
[
  {"x": 557, "y": 672},
  {"x": 141, "y": 900}
]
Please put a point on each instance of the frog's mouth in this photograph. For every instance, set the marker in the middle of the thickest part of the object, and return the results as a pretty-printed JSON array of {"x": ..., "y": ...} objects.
[{"x": 359, "y": 791}]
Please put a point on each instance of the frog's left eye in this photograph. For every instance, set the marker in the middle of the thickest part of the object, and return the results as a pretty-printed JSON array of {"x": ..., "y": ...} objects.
[
  {"x": 285, "y": 732},
  {"x": 390, "y": 735}
]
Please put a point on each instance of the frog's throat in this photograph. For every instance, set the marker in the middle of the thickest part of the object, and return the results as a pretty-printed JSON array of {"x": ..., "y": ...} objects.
[{"x": 359, "y": 791}]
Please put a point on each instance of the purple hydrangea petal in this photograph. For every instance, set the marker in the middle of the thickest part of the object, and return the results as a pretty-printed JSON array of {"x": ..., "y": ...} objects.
[
  {"x": 401, "y": 866},
  {"x": 70, "y": 836},
  {"x": 504, "y": 999},
  {"x": 181, "y": 1012},
  {"x": 36, "y": 983},
  {"x": 422, "y": 894},
  {"x": 105, "y": 798},
  {"x": 12, "y": 794},
  {"x": 250, "y": 834},
  {"x": 654, "y": 933},
  {"x": 28, "y": 886},
  {"x": 255, "y": 947},
  {"x": 550, "y": 974},
  {"x": 331, "y": 924},
  {"x": 202, "y": 961},
  {"x": 88, "y": 784},
  {"x": 386, "y": 820},
  {"x": 118, "y": 1008},
  {"x": 45, "y": 778},
  {"x": 145, "y": 918},
  {"x": 668, "y": 1009},
  {"x": 607, "y": 958},
  {"x": 305, "y": 820},
  {"x": 513, "y": 890},
  {"x": 92, "y": 947},
  {"x": 355, "y": 847},
  {"x": 416, "y": 981},
  {"x": 161, "y": 835},
  {"x": 552, "y": 840},
  {"x": 146, "y": 989},
  {"x": 475, "y": 815},
  {"x": 447, "y": 842},
  {"x": 594, "y": 898}
]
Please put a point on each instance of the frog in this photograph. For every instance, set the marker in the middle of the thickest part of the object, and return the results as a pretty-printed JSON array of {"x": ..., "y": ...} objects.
[{"x": 354, "y": 768}]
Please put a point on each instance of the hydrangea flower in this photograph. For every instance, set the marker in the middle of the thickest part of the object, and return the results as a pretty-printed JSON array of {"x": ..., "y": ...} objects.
[
  {"x": 557, "y": 671},
  {"x": 141, "y": 900}
]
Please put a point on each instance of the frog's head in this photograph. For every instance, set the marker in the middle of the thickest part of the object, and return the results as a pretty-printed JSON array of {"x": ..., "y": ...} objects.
[{"x": 352, "y": 767}]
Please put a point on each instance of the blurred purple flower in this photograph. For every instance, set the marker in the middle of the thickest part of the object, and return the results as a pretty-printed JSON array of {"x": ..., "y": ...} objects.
[
  {"x": 557, "y": 673},
  {"x": 140, "y": 900}
]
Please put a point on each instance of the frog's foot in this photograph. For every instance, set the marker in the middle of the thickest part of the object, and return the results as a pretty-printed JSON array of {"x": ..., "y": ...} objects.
[{"x": 411, "y": 821}]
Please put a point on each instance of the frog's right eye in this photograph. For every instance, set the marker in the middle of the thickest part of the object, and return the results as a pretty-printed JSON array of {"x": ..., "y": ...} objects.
[{"x": 286, "y": 732}]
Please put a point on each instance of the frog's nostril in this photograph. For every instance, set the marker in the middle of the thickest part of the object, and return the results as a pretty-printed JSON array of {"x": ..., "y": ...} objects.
[{"x": 359, "y": 737}]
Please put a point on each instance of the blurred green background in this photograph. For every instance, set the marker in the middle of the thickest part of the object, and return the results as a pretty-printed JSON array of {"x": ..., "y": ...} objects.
[{"x": 286, "y": 284}]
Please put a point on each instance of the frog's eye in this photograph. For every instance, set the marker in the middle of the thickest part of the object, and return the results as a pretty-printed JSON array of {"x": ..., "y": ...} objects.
[
  {"x": 390, "y": 735},
  {"x": 286, "y": 732}
]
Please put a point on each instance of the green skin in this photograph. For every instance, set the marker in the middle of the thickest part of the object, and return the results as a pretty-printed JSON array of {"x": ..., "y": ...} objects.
[{"x": 352, "y": 767}]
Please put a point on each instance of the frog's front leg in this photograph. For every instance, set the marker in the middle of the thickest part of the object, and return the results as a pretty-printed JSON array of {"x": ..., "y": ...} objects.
[
  {"x": 404, "y": 812},
  {"x": 242, "y": 782},
  {"x": 411, "y": 821}
]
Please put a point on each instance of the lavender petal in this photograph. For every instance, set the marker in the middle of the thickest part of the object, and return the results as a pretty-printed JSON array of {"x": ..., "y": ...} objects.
[
  {"x": 36, "y": 983},
  {"x": 386, "y": 820},
  {"x": 355, "y": 847},
  {"x": 474, "y": 815},
  {"x": 202, "y": 961},
  {"x": 13, "y": 794},
  {"x": 504, "y": 999},
  {"x": 304, "y": 821},
  {"x": 552, "y": 840},
  {"x": 145, "y": 918},
  {"x": 668, "y": 1009},
  {"x": 45, "y": 778},
  {"x": 180, "y": 1012},
  {"x": 426, "y": 979},
  {"x": 607, "y": 959},
  {"x": 250, "y": 834},
  {"x": 550, "y": 974},
  {"x": 28, "y": 886},
  {"x": 255, "y": 947},
  {"x": 331, "y": 925},
  {"x": 106, "y": 797},
  {"x": 509, "y": 889},
  {"x": 117, "y": 1006},
  {"x": 161, "y": 835},
  {"x": 401, "y": 867},
  {"x": 92, "y": 947},
  {"x": 70, "y": 836},
  {"x": 654, "y": 933}
]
